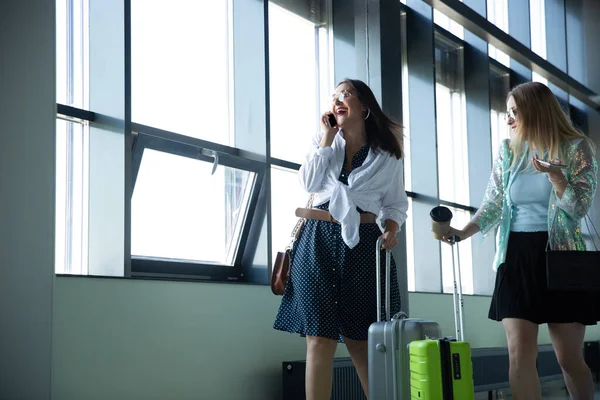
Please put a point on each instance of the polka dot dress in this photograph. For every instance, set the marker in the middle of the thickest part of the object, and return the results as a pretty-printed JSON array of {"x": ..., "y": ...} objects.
[{"x": 332, "y": 289}]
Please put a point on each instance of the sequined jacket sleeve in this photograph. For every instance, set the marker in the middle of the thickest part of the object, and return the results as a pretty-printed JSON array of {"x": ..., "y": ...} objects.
[
  {"x": 581, "y": 181},
  {"x": 489, "y": 214}
]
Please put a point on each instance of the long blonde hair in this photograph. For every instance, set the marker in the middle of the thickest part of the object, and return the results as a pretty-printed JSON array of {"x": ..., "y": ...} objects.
[{"x": 542, "y": 123}]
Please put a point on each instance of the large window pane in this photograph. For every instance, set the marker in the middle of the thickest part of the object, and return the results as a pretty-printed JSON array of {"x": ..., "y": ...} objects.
[
  {"x": 406, "y": 109},
  {"x": 180, "y": 210},
  {"x": 72, "y": 41},
  {"x": 538, "y": 26},
  {"x": 537, "y": 13},
  {"x": 283, "y": 207},
  {"x": 410, "y": 248},
  {"x": 295, "y": 79},
  {"x": 181, "y": 67},
  {"x": 450, "y": 119},
  {"x": 72, "y": 162},
  {"x": 444, "y": 22},
  {"x": 452, "y": 150},
  {"x": 459, "y": 218},
  {"x": 499, "y": 87},
  {"x": 497, "y": 14}
]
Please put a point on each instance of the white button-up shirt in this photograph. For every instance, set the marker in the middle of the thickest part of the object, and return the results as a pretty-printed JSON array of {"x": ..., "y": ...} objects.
[{"x": 377, "y": 186}]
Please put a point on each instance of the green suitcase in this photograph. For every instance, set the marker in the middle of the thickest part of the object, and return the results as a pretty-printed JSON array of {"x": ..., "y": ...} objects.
[{"x": 441, "y": 369}]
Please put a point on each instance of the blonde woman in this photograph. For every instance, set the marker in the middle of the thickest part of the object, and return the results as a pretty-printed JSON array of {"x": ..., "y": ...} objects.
[{"x": 534, "y": 204}]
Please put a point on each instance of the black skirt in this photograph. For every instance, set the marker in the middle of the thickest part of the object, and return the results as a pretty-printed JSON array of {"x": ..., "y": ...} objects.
[{"x": 521, "y": 292}]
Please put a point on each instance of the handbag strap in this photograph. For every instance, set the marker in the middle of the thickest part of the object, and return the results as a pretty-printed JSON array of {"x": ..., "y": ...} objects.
[
  {"x": 586, "y": 218},
  {"x": 301, "y": 221}
]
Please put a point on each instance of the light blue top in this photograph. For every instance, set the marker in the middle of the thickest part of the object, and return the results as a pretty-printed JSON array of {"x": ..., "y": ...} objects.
[{"x": 530, "y": 194}]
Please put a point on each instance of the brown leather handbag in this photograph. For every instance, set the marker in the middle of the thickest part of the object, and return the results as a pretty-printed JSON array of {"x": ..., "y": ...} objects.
[{"x": 282, "y": 265}]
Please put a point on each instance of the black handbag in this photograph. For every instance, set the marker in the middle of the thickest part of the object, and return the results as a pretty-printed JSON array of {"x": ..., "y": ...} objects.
[{"x": 573, "y": 270}]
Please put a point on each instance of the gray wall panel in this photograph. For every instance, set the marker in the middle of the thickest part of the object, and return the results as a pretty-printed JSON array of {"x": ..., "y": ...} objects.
[{"x": 27, "y": 202}]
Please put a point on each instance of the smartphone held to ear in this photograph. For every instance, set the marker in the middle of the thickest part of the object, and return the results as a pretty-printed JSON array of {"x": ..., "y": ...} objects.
[{"x": 331, "y": 120}]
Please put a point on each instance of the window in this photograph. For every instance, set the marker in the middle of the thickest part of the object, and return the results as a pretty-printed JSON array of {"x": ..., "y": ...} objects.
[
  {"x": 300, "y": 91},
  {"x": 197, "y": 209},
  {"x": 410, "y": 248},
  {"x": 452, "y": 151},
  {"x": 297, "y": 74},
  {"x": 71, "y": 197},
  {"x": 181, "y": 67},
  {"x": 405, "y": 109},
  {"x": 538, "y": 33},
  {"x": 192, "y": 206},
  {"x": 445, "y": 22},
  {"x": 177, "y": 198},
  {"x": 72, "y": 42},
  {"x": 451, "y": 126},
  {"x": 497, "y": 13},
  {"x": 538, "y": 26},
  {"x": 72, "y": 146},
  {"x": 499, "y": 87},
  {"x": 459, "y": 218},
  {"x": 286, "y": 187},
  {"x": 408, "y": 224}
]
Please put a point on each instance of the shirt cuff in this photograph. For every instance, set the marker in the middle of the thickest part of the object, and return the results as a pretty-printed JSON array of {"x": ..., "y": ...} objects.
[{"x": 324, "y": 151}]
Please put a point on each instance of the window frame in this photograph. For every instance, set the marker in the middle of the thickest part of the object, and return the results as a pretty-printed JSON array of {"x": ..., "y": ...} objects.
[
  {"x": 252, "y": 258},
  {"x": 146, "y": 137},
  {"x": 110, "y": 119}
]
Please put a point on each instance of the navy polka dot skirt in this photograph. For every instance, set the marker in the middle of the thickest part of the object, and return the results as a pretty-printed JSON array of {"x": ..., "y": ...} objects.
[{"x": 332, "y": 291}]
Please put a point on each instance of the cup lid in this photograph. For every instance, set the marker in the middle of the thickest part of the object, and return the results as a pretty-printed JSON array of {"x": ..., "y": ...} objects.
[{"x": 440, "y": 214}]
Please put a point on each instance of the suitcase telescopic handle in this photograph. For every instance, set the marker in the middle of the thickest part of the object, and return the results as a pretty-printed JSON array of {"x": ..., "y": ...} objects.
[
  {"x": 387, "y": 279},
  {"x": 457, "y": 294}
]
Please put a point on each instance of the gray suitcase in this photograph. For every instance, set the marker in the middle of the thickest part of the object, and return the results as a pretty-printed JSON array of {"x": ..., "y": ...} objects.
[{"x": 389, "y": 369}]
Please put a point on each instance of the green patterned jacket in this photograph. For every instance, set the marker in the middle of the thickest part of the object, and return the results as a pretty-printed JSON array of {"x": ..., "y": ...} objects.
[{"x": 564, "y": 215}]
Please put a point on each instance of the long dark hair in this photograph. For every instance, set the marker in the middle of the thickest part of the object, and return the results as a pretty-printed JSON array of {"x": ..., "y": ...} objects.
[{"x": 382, "y": 132}]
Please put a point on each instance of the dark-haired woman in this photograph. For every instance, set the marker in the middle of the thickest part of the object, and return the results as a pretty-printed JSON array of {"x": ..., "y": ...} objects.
[{"x": 355, "y": 171}]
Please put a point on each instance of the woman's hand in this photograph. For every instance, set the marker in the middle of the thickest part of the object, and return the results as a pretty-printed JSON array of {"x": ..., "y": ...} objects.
[
  {"x": 554, "y": 173},
  {"x": 329, "y": 132},
  {"x": 447, "y": 238},
  {"x": 389, "y": 240}
]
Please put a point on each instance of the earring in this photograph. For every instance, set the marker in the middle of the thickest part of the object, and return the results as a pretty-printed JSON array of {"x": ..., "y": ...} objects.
[{"x": 368, "y": 113}]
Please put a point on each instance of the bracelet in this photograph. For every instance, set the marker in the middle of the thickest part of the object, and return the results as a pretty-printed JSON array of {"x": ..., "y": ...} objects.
[{"x": 562, "y": 180}]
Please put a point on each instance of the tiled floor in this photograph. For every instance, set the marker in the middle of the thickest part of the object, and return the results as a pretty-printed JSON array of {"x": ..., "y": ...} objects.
[
  {"x": 550, "y": 391},
  {"x": 562, "y": 395}
]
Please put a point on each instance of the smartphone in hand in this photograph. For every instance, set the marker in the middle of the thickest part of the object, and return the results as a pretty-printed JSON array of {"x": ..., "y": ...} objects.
[
  {"x": 548, "y": 165},
  {"x": 332, "y": 121}
]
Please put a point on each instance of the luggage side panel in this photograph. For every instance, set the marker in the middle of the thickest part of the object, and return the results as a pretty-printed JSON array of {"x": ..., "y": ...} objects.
[
  {"x": 380, "y": 359},
  {"x": 389, "y": 370},
  {"x": 425, "y": 370},
  {"x": 462, "y": 370}
]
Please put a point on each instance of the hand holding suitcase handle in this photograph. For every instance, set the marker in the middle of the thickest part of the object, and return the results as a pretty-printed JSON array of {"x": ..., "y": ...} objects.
[{"x": 440, "y": 225}]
